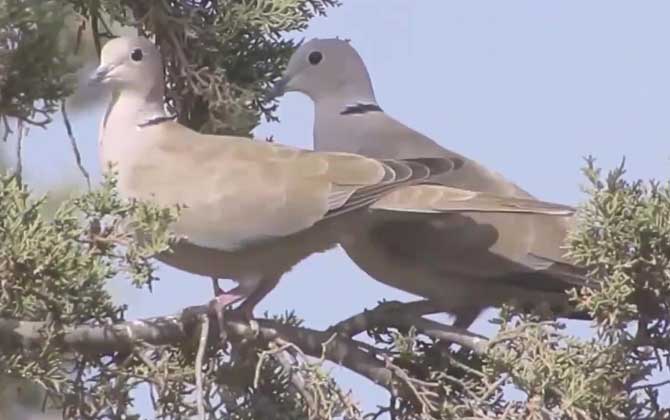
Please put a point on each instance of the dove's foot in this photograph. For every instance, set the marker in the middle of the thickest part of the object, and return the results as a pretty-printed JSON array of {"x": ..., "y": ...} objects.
[
  {"x": 220, "y": 304},
  {"x": 218, "y": 291},
  {"x": 260, "y": 287}
]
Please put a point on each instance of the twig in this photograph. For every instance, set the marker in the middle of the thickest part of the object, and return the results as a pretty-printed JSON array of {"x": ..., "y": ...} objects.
[
  {"x": 324, "y": 347},
  {"x": 202, "y": 346},
  {"x": 180, "y": 53},
  {"x": 365, "y": 320},
  {"x": 108, "y": 32},
  {"x": 297, "y": 381},
  {"x": 378, "y": 413},
  {"x": 80, "y": 32},
  {"x": 407, "y": 315},
  {"x": 263, "y": 356},
  {"x": 514, "y": 332},
  {"x": 45, "y": 401},
  {"x": 281, "y": 355},
  {"x": 94, "y": 32},
  {"x": 652, "y": 385},
  {"x": 477, "y": 343},
  {"x": 43, "y": 123},
  {"x": 492, "y": 389},
  {"x": 18, "y": 171},
  {"x": 73, "y": 143},
  {"x": 426, "y": 405},
  {"x": 151, "y": 365},
  {"x": 353, "y": 412},
  {"x": 8, "y": 130}
]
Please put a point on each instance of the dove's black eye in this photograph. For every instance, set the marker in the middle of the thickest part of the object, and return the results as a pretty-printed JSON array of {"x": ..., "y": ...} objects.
[
  {"x": 315, "y": 58},
  {"x": 136, "y": 55}
]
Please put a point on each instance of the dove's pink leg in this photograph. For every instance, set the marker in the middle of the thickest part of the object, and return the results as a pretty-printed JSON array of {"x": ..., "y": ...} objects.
[
  {"x": 221, "y": 301},
  {"x": 253, "y": 290}
]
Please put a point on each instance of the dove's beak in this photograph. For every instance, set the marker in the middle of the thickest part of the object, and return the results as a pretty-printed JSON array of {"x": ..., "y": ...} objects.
[
  {"x": 279, "y": 89},
  {"x": 99, "y": 75}
]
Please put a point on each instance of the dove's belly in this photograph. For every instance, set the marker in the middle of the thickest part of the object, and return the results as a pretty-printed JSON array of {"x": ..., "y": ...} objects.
[{"x": 266, "y": 259}]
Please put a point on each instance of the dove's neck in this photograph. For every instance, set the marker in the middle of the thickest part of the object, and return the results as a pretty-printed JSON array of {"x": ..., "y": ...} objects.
[
  {"x": 347, "y": 95},
  {"x": 127, "y": 112},
  {"x": 336, "y": 119},
  {"x": 135, "y": 107}
]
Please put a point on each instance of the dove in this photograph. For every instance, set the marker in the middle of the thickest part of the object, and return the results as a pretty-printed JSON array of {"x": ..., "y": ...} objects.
[
  {"x": 250, "y": 209},
  {"x": 464, "y": 261}
]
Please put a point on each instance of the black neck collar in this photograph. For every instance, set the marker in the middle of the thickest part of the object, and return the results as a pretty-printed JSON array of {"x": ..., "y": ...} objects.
[
  {"x": 157, "y": 120},
  {"x": 360, "y": 108}
]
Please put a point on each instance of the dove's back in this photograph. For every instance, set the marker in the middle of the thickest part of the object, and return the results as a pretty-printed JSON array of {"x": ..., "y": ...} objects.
[{"x": 466, "y": 261}]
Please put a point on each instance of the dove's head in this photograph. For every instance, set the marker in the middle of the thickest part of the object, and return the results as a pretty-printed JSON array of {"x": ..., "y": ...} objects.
[
  {"x": 326, "y": 68},
  {"x": 129, "y": 63}
]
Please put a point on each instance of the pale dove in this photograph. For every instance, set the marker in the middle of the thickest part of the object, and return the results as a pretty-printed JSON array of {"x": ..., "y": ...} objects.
[
  {"x": 252, "y": 209},
  {"x": 465, "y": 262}
]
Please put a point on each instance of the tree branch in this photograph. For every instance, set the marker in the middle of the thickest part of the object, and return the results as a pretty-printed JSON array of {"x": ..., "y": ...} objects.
[
  {"x": 202, "y": 346},
  {"x": 407, "y": 315},
  {"x": 174, "y": 329},
  {"x": 368, "y": 318},
  {"x": 73, "y": 145},
  {"x": 336, "y": 347}
]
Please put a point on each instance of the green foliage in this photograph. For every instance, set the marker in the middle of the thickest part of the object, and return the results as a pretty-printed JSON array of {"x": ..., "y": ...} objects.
[
  {"x": 142, "y": 229},
  {"x": 624, "y": 239},
  {"x": 57, "y": 269},
  {"x": 35, "y": 72},
  {"x": 44, "y": 265},
  {"x": 566, "y": 376}
]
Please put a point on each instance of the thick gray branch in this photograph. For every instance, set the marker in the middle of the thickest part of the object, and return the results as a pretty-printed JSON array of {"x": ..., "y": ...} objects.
[
  {"x": 177, "y": 328},
  {"x": 331, "y": 344}
]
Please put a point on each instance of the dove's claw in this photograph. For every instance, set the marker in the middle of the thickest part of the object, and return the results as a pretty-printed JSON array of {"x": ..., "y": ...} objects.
[{"x": 219, "y": 306}]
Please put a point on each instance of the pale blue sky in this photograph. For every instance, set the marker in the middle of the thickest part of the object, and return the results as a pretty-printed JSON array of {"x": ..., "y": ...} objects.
[{"x": 525, "y": 87}]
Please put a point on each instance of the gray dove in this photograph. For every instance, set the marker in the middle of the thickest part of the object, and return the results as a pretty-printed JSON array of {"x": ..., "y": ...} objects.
[{"x": 464, "y": 261}]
